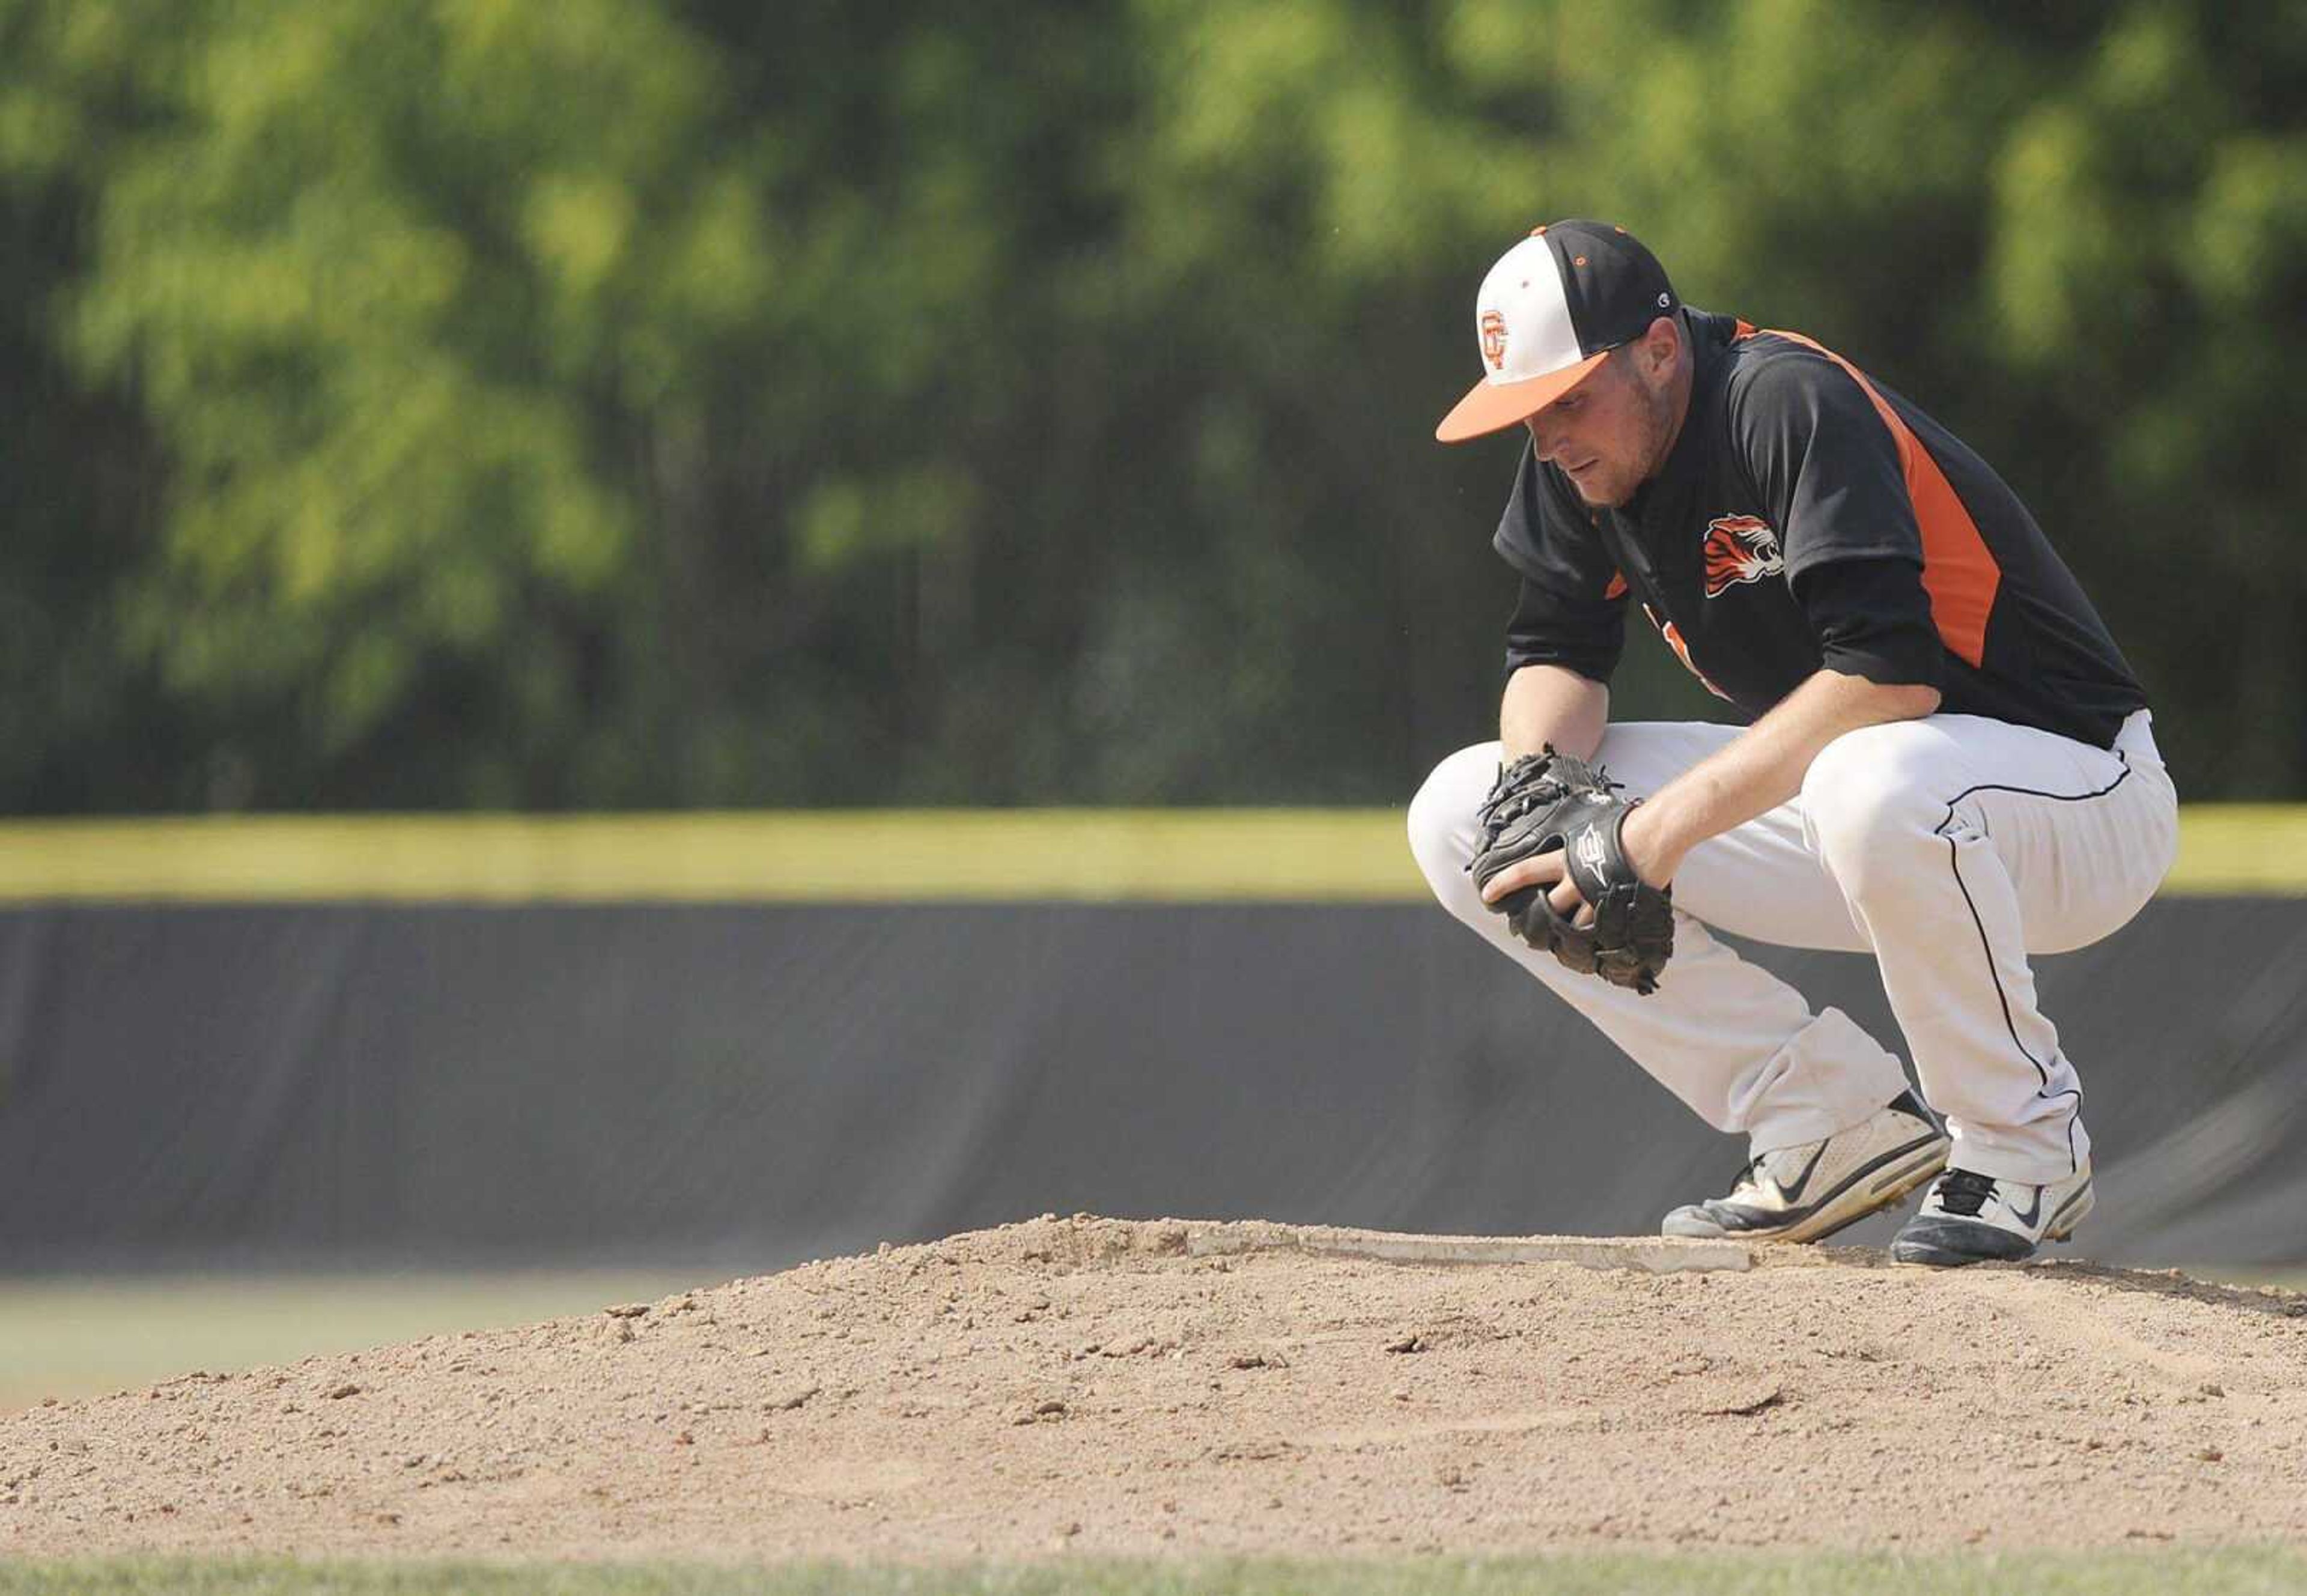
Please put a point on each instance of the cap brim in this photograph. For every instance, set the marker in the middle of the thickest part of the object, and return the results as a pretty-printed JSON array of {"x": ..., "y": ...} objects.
[{"x": 1493, "y": 407}]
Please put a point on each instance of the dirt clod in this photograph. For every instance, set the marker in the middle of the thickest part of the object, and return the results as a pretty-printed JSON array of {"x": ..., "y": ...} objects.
[{"x": 1744, "y": 1407}]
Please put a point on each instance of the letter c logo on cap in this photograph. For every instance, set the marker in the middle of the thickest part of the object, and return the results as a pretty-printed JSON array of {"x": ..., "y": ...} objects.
[{"x": 1494, "y": 339}]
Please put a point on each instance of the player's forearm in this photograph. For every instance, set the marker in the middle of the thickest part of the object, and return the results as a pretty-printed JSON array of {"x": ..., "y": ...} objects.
[
  {"x": 1548, "y": 703},
  {"x": 1763, "y": 768}
]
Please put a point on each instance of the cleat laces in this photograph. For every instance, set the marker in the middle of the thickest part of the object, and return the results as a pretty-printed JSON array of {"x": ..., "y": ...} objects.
[{"x": 1965, "y": 1191}]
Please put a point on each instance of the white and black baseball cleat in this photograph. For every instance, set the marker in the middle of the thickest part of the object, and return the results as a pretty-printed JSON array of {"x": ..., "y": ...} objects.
[
  {"x": 1970, "y": 1218},
  {"x": 1809, "y": 1191}
]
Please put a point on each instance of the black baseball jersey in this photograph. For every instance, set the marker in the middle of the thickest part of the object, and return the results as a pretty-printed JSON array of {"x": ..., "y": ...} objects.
[{"x": 1808, "y": 516}]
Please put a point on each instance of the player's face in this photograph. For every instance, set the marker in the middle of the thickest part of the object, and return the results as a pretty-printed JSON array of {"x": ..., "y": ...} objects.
[{"x": 1611, "y": 432}]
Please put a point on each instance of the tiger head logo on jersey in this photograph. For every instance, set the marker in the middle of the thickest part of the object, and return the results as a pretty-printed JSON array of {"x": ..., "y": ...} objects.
[{"x": 1739, "y": 548}]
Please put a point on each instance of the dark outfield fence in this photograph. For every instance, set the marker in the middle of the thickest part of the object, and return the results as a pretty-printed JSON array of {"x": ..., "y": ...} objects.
[{"x": 258, "y": 1042}]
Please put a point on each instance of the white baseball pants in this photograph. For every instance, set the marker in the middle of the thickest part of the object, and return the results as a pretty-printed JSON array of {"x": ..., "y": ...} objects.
[{"x": 1949, "y": 847}]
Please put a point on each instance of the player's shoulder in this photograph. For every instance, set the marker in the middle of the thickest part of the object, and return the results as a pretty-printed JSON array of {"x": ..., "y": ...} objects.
[
  {"x": 1545, "y": 529},
  {"x": 1770, "y": 361},
  {"x": 1771, "y": 377}
]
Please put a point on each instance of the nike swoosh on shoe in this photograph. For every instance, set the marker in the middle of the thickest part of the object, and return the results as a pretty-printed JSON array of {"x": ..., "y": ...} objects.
[
  {"x": 1735, "y": 1218},
  {"x": 1793, "y": 1194}
]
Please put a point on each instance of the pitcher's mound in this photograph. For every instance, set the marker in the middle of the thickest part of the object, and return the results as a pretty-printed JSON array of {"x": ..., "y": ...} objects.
[{"x": 1112, "y": 1386}]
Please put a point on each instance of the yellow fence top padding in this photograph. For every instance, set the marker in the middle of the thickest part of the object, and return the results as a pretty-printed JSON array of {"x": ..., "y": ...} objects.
[
  {"x": 2240, "y": 847},
  {"x": 872, "y": 855},
  {"x": 857, "y": 856}
]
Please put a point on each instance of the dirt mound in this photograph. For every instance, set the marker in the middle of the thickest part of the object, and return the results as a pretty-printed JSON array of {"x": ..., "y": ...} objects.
[{"x": 1133, "y": 1387}]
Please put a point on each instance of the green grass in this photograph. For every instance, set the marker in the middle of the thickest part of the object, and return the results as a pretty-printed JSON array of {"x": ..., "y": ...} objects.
[
  {"x": 2231, "y": 1572},
  {"x": 69, "y": 1338}
]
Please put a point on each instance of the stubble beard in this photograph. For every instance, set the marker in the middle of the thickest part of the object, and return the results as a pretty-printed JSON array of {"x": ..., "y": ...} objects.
[
  {"x": 1657, "y": 425},
  {"x": 1656, "y": 443}
]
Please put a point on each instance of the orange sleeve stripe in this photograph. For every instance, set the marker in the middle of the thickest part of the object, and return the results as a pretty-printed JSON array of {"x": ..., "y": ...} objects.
[
  {"x": 1617, "y": 588},
  {"x": 1960, "y": 571}
]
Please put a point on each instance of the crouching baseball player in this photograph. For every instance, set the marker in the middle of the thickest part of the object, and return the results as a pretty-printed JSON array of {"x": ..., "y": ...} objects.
[{"x": 1947, "y": 762}]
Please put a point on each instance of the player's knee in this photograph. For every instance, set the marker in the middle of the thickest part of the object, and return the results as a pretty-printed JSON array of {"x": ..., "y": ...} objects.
[
  {"x": 1864, "y": 799},
  {"x": 1442, "y": 814}
]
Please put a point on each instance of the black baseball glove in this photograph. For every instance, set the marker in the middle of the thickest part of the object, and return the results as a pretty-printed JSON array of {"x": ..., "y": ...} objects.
[{"x": 1547, "y": 801}]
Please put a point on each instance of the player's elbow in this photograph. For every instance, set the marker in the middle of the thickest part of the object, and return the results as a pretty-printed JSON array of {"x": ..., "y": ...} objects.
[
  {"x": 1881, "y": 701},
  {"x": 1913, "y": 699}
]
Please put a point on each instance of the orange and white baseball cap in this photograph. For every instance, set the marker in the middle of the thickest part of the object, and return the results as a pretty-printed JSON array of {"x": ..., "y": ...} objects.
[{"x": 1552, "y": 308}]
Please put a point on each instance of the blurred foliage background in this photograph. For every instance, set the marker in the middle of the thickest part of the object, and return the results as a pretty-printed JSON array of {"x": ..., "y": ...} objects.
[{"x": 635, "y": 403}]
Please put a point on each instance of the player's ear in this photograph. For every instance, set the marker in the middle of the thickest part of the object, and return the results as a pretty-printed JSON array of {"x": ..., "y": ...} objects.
[{"x": 1660, "y": 346}]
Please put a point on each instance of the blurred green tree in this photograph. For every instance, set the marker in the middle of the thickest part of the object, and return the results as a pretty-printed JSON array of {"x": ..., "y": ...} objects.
[
  {"x": 679, "y": 402},
  {"x": 2146, "y": 291}
]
